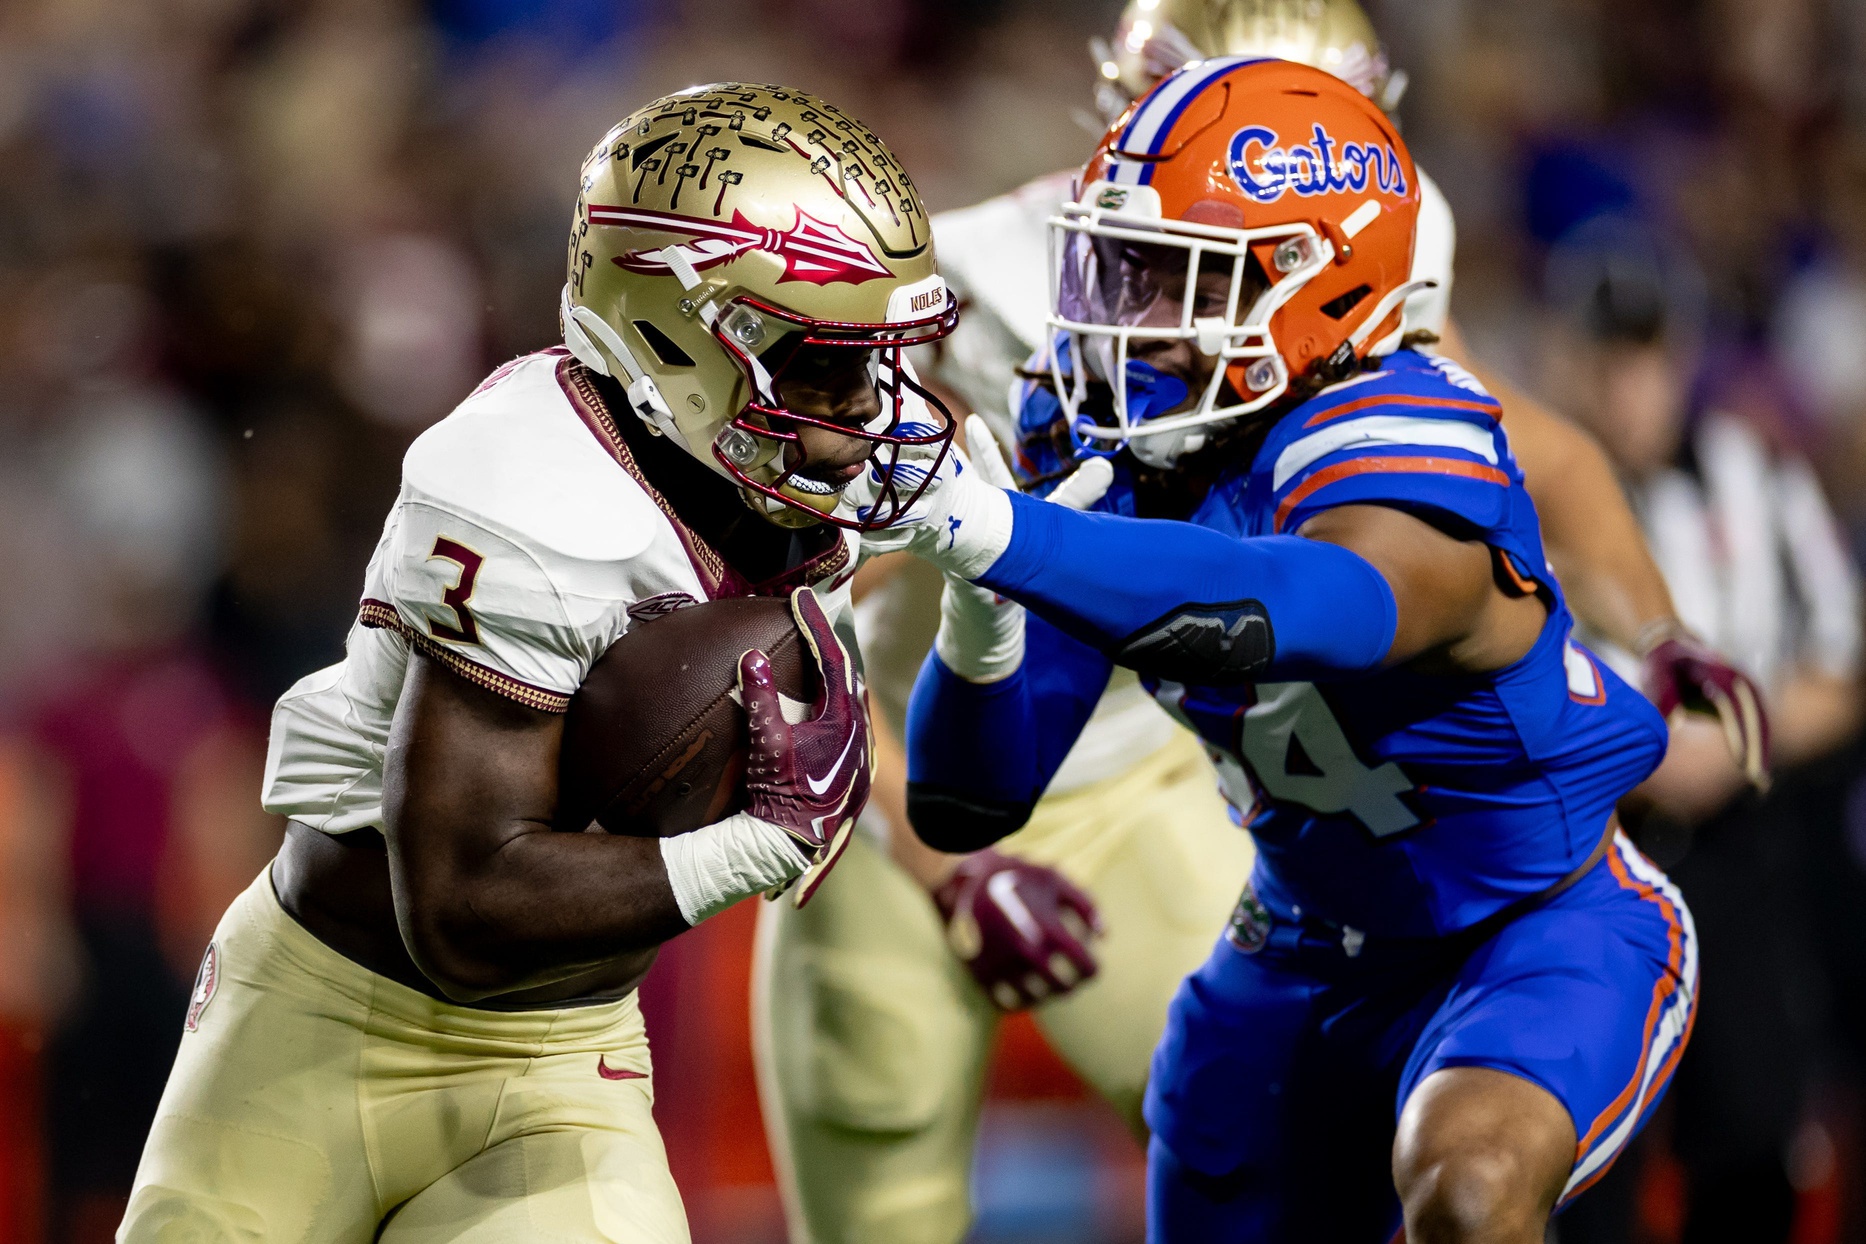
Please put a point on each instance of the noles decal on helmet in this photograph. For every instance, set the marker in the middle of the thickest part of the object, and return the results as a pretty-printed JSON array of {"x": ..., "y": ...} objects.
[{"x": 812, "y": 250}]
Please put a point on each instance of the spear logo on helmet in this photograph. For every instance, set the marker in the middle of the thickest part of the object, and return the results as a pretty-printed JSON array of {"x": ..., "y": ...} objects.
[{"x": 812, "y": 250}]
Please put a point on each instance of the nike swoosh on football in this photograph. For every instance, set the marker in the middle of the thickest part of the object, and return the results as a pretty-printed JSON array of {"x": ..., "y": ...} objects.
[
  {"x": 816, "y": 787},
  {"x": 607, "y": 1072}
]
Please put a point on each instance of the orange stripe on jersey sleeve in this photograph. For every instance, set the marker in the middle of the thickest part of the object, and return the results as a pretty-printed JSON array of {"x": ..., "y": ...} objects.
[
  {"x": 1488, "y": 409},
  {"x": 1385, "y": 466}
]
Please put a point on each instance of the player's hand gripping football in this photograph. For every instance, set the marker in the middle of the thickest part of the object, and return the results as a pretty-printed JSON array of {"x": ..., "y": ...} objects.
[
  {"x": 1021, "y": 929},
  {"x": 811, "y": 778},
  {"x": 1684, "y": 673}
]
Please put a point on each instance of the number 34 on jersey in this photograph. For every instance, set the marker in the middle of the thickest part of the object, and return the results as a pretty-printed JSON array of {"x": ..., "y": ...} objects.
[{"x": 1283, "y": 740}]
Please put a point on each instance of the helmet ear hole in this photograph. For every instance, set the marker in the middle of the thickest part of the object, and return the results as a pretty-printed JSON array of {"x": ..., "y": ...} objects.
[
  {"x": 670, "y": 354},
  {"x": 1338, "y": 308}
]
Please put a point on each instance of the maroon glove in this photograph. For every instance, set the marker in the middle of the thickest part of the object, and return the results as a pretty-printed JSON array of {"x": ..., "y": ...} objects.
[
  {"x": 809, "y": 779},
  {"x": 1021, "y": 929},
  {"x": 1683, "y": 672}
]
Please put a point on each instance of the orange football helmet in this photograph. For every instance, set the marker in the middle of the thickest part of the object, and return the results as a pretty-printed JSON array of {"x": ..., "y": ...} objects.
[{"x": 1283, "y": 174}]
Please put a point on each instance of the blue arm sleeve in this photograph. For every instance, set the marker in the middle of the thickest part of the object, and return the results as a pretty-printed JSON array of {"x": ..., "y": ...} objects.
[
  {"x": 1191, "y": 605},
  {"x": 979, "y": 755}
]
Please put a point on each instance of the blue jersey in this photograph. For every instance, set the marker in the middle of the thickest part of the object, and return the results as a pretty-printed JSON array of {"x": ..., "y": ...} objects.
[{"x": 1398, "y": 803}]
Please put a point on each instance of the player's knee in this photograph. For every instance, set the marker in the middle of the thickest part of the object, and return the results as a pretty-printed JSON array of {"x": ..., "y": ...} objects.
[
  {"x": 1477, "y": 1197},
  {"x": 1481, "y": 1156}
]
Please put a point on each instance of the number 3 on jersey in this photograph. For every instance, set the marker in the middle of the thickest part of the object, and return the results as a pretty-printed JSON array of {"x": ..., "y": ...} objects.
[
  {"x": 1291, "y": 723},
  {"x": 464, "y": 629}
]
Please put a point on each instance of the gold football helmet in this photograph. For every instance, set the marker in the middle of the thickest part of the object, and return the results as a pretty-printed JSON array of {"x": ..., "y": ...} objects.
[
  {"x": 1156, "y": 37},
  {"x": 724, "y": 229}
]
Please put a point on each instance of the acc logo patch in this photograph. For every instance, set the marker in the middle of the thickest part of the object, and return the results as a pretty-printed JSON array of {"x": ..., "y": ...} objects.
[
  {"x": 659, "y": 606},
  {"x": 206, "y": 983}
]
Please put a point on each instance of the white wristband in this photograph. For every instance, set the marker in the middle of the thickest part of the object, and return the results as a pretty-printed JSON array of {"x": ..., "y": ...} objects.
[
  {"x": 981, "y": 638},
  {"x": 715, "y": 866},
  {"x": 978, "y": 531}
]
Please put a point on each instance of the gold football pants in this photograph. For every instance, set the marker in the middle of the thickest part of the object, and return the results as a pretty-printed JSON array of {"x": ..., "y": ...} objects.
[
  {"x": 316, "y": 1101},
  {"x": 872, "y": 1039}
]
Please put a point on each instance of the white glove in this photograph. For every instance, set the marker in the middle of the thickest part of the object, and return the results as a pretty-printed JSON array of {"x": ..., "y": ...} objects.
[
  {"x": 981, "y": 634},
  {"x": 960, "y": 523},
  {"x": 1084, "y": 488}
]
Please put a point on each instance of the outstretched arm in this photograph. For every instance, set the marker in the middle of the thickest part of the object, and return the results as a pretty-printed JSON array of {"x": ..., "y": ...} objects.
[
  {"x": 1362, "y": 587},
  {"x": 1365, "y": 586}
]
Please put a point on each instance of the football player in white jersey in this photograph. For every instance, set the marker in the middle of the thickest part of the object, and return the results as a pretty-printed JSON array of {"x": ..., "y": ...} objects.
[
  {"x": 420, "y": 1023},
  {"x": 875, "y": 1009}
]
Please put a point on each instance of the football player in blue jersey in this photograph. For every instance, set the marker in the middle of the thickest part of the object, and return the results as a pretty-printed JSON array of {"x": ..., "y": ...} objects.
[{"x": 1452, "y": 991}]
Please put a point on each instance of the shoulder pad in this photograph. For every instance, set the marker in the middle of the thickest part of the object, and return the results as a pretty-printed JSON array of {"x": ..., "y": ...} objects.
[
  {"x": 518, "y": 455},
  {"x": 1409, "y": 434}
]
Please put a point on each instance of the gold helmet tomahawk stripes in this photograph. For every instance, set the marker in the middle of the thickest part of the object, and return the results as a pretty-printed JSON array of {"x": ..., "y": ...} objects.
[{"x": 723, "y": 229}]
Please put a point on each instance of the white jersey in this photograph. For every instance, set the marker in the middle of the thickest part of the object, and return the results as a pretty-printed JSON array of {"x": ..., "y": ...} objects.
[
  {"x": 524, "y": 542},
  {"x": 995, "y": 258}
]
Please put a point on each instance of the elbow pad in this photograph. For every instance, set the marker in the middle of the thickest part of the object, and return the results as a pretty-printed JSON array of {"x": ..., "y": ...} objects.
[
  {"x": 959, "y": 823},
  {"x": 1187, "y": 604}
]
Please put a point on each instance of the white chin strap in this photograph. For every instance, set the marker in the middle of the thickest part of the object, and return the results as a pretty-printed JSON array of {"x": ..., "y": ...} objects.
[
  {"x": 644, "y": 397},
  {"x": 1386, "y": 306}
]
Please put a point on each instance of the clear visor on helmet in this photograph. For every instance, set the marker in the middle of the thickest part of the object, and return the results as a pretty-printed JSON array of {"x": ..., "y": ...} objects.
[{"x": 1141, "y": 300}]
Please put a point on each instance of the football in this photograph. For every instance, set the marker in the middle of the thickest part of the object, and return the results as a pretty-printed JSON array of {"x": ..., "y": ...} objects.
[{"x": 655, "y": 738}]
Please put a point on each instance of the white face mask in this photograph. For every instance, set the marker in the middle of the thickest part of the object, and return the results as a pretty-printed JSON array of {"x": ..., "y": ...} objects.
[{"x": 1102, "y": 303}]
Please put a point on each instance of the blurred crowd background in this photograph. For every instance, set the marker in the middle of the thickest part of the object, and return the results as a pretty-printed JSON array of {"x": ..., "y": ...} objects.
[{"x": 250, "y": 248}]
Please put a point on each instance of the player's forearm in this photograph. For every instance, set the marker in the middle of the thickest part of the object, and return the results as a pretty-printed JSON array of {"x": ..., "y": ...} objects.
[
  {"x": 1813, "y": 714},
  {"x": 1193, "y": 605},
  {"x": 980, "y": 754},
  {"x": 973, "y": 770},
  {"x": 1593, "y": 540},
  {"x": 888, "y": 798}
]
